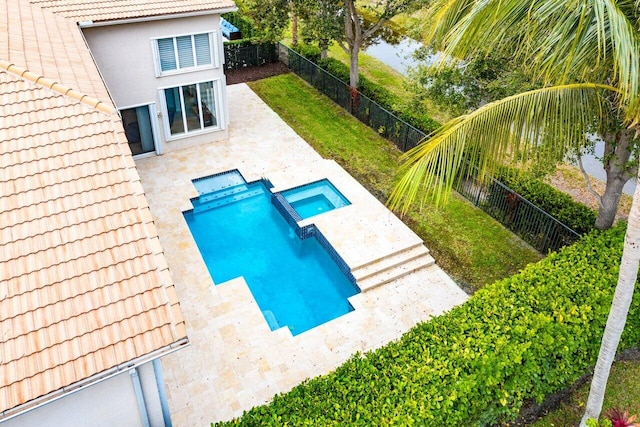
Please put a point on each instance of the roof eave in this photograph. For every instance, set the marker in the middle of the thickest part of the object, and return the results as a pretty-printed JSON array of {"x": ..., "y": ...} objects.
[
  {"x": 90, "y": 24},
  {"x": 94, "y": 379}
]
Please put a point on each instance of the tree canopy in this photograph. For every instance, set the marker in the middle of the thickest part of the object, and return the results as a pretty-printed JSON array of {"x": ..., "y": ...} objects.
[{"x": 583, "y": 55}]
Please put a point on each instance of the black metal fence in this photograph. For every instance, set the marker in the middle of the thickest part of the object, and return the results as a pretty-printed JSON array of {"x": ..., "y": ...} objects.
[
  {"x": 532, "y": 224},
  {"x": 369, "y": 112},
  {"x": 247, "y": 54}
]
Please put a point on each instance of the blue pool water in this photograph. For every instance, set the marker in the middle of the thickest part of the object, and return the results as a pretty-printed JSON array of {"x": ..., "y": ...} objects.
[
  {"x": 295, "y": 282},
  {"x": 315, "y": 198},
  {"x": 311, "y": 206}
]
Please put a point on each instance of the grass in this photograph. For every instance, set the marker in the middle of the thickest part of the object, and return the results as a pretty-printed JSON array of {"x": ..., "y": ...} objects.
[
  {"x": 622, "y": 392},
  {"x": 469, "y": 245}
]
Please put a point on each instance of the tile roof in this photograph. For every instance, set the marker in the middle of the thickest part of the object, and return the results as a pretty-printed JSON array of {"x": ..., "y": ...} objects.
[
  {"x": 48, "y": 45},
  {"x": 109, "y": 10},
  {"x": 84, "y": 285}
]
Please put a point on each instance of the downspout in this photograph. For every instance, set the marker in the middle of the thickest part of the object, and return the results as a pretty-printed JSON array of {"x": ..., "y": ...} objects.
[
  {"x": 162, "y": 394},
  {"x": 142, "y": 406}
]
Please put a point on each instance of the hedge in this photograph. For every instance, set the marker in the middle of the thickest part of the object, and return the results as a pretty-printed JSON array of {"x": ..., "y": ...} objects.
[
  {"x": 560, "y": 205},
  {"x": 511, "y": 343}
]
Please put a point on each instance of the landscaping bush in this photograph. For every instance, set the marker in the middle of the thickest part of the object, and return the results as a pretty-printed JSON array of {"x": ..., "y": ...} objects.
[
  {"x": 513, "y": 342},
  {"x": 560, "y": 205},
  {"x": 309, "y": 51}
]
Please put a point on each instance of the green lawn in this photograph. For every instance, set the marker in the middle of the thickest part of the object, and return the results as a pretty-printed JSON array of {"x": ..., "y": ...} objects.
[{"x": 469, "y": 245}]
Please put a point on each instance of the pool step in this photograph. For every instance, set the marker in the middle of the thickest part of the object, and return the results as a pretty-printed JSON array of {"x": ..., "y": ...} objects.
[
  {"x": 223, "y": 192},
  {"x": 224, "y": 199},
  {"x": 392, "y": 267},
  {"x": 221, "y": 181}
]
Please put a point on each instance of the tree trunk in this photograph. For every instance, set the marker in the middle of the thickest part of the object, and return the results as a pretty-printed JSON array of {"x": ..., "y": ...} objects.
[
  {"x": 353, "y": 66},
  {"x": 294, "y": 29},
  {"x": 618, "y": 313},
  {"x": 617, "y": 150},
  {"x": 610, "y": 200},
  {"x": 353, "y": 36}
]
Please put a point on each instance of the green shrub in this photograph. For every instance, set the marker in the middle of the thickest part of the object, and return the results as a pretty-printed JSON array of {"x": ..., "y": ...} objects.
[
  {"x": 514, "y": 341},
  {"x": 309, "y": 51},
  {"x": 560, "y": 205}
]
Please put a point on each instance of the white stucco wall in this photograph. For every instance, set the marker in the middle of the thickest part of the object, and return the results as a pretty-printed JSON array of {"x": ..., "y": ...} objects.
[
  {"x": 124, "y": 55},
  {"x": 111, "y": 402}
]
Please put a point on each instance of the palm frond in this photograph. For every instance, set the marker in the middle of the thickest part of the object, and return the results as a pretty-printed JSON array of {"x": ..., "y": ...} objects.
[
  {"x": 442, "y": 16},
  {"x": 557, "y": 41},
  {"x": 559, "y": 115}
]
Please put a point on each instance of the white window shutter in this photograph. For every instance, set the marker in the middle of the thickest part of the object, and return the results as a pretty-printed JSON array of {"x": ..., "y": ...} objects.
[
  {"x": 203, "y": 49},
  {"x": 166, "y": 55},
  {"x": 185, "y": 52}
]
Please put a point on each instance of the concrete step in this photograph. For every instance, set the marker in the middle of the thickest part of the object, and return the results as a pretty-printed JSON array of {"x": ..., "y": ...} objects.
[
  {"x": 392, "y": 273},
  {"x": 389, "y": 261}
]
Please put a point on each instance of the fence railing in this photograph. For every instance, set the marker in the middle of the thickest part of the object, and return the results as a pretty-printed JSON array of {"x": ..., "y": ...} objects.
[
  {"x": 369, "y": 112},
  {"x": 247, "y": 54},
  {"x": 532, "y": 224}
]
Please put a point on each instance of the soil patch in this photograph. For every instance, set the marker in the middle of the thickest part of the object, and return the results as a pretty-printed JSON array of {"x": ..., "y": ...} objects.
[
  {"x": 569, "y": 179},
  {"x": 250, "y": 74}
]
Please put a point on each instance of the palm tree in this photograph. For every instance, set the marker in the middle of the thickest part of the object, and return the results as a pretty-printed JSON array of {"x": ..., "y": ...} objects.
[
  {"x": 586, "y": 56},
  {"x": 618, "y": 313}
]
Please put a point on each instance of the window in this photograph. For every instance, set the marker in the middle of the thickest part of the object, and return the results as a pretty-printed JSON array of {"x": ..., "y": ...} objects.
[
  {"x": 191, "y": 108},
  {"x": 185, "y": 52}
]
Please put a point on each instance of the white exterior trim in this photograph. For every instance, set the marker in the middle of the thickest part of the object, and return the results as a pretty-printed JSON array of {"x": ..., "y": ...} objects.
[
  {"x": 89, "y": 24},
  {"x": 220, "y": 110},
  {"x": 213, "y": 48},
  {"x": 94, "y": 379}
]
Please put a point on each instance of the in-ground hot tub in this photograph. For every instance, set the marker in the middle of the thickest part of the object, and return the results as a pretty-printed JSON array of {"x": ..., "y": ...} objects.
[{"x": 315, "y": 198}]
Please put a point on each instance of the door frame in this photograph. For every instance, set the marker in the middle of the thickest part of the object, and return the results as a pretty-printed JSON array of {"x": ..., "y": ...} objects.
[{"x": 155, "y": 133}]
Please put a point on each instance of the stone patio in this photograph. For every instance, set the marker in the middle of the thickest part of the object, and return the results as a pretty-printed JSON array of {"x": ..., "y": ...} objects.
[{"x": 235, "y": 361}]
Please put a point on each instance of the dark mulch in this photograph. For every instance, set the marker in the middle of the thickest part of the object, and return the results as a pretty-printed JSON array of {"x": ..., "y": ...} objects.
[{"x": 250, "y": 74}]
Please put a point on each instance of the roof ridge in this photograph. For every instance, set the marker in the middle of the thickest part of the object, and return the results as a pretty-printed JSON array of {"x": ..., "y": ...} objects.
[{"x": 56, "y": 87}]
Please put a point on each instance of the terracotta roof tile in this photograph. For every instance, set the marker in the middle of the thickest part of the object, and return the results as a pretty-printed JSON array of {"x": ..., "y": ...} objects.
[
  {"x": 84, "y": 286},
  {"x": 108, "y": 10}
]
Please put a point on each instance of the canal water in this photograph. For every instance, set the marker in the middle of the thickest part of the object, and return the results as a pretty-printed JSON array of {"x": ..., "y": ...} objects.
[
  {"x": 398, "y": 53},
  {"x": 398, "y": 56},
  {"x": 594, "y": 167}
]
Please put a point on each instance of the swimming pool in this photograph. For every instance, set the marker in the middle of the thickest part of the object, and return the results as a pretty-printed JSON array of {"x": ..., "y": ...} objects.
[
  {"x": 315, "y": 198},
  {"x": 296, "y": 282}
]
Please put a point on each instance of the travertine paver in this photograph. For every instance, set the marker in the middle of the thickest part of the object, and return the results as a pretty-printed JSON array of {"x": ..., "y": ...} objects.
[{"x": 235, "y": 362}]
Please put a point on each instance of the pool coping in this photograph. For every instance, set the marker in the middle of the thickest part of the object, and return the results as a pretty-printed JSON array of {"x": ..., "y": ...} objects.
[{"x": 235, "y": 361}]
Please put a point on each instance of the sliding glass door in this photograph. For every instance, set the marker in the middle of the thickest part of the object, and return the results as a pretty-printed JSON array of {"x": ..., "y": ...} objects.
[{"x": 138, "y": 129}]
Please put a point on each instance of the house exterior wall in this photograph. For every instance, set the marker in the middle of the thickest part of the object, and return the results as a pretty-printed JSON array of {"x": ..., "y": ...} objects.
[
  {"x": 111, "y": 402},
  {"x": 124, "y": 54}
]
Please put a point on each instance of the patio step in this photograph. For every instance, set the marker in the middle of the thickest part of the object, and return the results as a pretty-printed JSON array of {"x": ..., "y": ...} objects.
[{"x": 392, "y": 267}]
